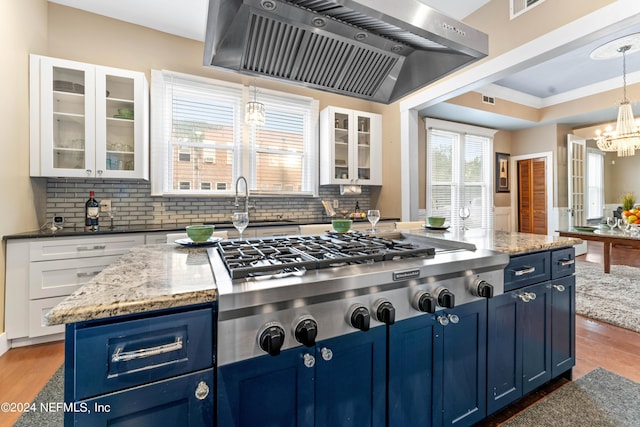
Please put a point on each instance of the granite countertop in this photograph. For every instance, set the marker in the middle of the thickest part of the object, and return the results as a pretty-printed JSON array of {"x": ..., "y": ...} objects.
[
  {"x": 147, "y": 278},
  {"x": 503, "y": 241},
  {"x": 154, "y": 277}
]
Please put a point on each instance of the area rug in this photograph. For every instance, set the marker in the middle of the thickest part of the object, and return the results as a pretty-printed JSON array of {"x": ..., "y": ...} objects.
[
  {"x": 613, "y": 298},
  {"x": 51, "y": 394},
  {"x": 598, "y": 399}
]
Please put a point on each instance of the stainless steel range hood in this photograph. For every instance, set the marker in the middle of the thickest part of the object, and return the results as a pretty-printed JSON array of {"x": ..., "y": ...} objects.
[{"x": 379, "y": 50}]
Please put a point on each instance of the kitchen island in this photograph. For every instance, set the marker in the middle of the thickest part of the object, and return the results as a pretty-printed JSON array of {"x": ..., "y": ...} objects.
[{"x": 106, "y": 304}]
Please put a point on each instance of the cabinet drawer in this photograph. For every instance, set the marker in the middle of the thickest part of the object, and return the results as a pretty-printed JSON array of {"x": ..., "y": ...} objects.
[
  {"x": 563, "y": 262},
  {"x": 129, "y": 353},
  {"x": 84, "y": 247},
  {"x": 37, "y": 310},
  {"x": 62, "y": 277},
  {"x": 183, "y": 401},
  {"x": 527, "y": 269}
]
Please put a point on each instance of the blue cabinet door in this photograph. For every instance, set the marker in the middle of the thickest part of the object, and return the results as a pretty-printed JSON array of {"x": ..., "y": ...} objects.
[
  {"x": 504, "y": 351},
  {"x": 182, "y": 401},
  {"x": 415, "y": 372},
  {"x": 267, "y": 391},
  {"x": 563, "y": 321},
  {"x": 535, "y": 327},
  {"x": 464, "y": 361},
  {"x": 350, "y": 380}
]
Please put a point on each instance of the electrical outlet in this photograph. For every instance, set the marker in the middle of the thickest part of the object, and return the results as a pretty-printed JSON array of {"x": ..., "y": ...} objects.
[
  {"x": 336, "y": 203},
  {"x": 105, "y": 205}
]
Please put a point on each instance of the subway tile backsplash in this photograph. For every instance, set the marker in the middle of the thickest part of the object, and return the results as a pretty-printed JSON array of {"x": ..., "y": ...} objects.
[{"x": 133, "y": 204}]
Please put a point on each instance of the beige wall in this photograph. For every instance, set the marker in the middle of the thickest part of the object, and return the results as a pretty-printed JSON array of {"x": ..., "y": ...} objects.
[
  {"x": 506, "y": 34},
  {"x": 23, "y": 27},
  {"x": 81, "y": 36}
]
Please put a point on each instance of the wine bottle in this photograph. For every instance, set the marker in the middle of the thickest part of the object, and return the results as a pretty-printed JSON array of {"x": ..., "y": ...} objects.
[{"x": 91, "y": 213}]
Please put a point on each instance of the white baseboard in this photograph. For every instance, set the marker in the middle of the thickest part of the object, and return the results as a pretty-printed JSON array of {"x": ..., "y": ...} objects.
[
  {"x": 22, "y": 342},
  {"x": 4, "y": 343}
]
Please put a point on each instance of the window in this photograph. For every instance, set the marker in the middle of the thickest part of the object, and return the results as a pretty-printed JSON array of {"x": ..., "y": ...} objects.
[
  {"x": 205, "y": 186},
  {"x": 595, "y": 183},
  {"x": 184, "y": 185},
  {"x": 184, "y": 155},
  {"x": 198, "y": 135},
  {"x": 459, "y": 172},
  {"x": 286, "y": 146}
]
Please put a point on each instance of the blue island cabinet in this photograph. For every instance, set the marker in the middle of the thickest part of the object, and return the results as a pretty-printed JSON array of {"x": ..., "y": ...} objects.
[
  {"x": 148, "y": 369},
  {"x": 437, "y": 374},
  {"x": 531, "y": 327},
  {"x": 339, "y": 382}
]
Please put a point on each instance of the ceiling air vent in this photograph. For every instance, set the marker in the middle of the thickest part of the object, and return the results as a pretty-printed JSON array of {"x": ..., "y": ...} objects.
[
  {"x": 518, "y": 7},
  {"x": 488, "y": 100}
]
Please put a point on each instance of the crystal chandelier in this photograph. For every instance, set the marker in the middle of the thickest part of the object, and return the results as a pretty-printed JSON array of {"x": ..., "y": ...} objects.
[
  {"x": 254, "y": 111},
  {"x": 625, "y": 139}
]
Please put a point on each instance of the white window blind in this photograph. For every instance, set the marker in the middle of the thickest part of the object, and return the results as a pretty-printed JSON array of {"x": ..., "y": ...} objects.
[
  {"x": 198, "y": 136},
  {"x": 459, "y": 173},
  {"x": 195, "y": 116},
  {"x": 595, "y": 184},
  {"x": 285, "y": 149}
]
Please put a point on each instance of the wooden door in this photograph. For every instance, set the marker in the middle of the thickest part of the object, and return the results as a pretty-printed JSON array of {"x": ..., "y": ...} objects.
[{"x": 532, "y": 196}]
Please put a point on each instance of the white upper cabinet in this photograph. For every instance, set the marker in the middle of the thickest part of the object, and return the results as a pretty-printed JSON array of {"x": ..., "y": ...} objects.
[
  {"x": 350, "y": 147},
  {"x": 88, "y": 120}
]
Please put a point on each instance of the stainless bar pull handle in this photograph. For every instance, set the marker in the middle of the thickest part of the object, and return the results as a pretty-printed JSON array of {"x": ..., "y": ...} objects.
[
  {"x": 91, "y": 248},
  {"x": 87, "y": 273},
  {"x": 125, "y": 356},
  {"x": 524, "y": 271},
  {"x": 565, "y": 262}
]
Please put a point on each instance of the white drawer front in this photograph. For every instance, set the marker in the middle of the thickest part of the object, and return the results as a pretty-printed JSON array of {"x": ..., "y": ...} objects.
[
  {"x": 83, "y": 247},
  {"x": 62, "y": 277},
  {"x": 37, "y": 310}
]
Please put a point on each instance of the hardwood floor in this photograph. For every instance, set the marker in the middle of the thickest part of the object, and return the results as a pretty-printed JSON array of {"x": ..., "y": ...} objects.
[
  {"x": 23, "y": 373},
  {"x": 25, "y": 370}
]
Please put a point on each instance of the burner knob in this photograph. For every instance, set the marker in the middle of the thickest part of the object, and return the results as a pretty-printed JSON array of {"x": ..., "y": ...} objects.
[
  {"x": 271, "y": 338},
  {"x": 358, "y": 317},
  {"x": 425, "y": 302},
  {"x": 306, "y": 330},
  {"x": 445, "y": 298},
  {"x": 384, "y": 311},
  {"x": 482, "y": 288}
]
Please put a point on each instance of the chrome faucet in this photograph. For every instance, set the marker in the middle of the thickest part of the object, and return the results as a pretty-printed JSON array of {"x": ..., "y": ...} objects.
[{"x": 246, "y": 194}]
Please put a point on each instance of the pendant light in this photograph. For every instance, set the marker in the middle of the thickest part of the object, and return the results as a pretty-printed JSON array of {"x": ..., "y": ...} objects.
[
  {"x": 254, "y": 111},
  {"x": 625, "y": 139}
]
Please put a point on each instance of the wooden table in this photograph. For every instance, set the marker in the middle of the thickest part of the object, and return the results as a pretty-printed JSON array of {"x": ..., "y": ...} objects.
[{"x": 608, "y": 238}]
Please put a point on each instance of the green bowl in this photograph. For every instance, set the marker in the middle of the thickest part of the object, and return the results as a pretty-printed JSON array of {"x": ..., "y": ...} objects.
[
  {"x": 199, "y": 233},
  {"x": 341, "y": 225},
  {"x": 436, "y": 221}
]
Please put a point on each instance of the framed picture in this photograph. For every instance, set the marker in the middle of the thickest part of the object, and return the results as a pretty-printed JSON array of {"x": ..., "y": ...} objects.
[{"x": 502, "y": 173}]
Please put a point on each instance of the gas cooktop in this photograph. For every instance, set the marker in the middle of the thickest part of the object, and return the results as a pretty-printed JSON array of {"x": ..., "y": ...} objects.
[{"x": 294, "y": 255}]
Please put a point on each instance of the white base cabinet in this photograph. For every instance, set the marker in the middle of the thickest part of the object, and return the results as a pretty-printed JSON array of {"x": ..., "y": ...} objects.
[{"x": 41, "y": 272}]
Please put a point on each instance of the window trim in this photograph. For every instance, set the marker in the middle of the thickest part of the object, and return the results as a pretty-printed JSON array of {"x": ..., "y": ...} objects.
[{"x": 461, "y": 130}]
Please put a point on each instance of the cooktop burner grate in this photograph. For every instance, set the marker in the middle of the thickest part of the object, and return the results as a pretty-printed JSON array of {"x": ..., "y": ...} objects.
[{"x": 281, "y": 256}]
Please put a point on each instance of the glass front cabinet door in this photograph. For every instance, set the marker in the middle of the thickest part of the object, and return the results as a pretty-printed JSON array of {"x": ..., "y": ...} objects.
[
  {"x": 87, "y": 120},
  {"x": 350, "y": 147}
]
